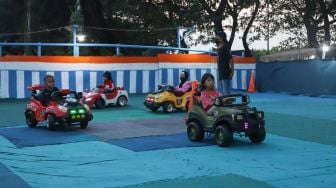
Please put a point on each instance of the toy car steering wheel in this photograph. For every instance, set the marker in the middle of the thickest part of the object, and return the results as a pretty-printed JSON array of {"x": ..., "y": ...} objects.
[
  {"x": 170, "y": 88},
  {"x": 56, "y": 95}
]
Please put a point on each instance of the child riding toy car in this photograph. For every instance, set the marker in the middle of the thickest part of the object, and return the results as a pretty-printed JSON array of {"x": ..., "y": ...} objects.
[
  {"x": 167, "y": 97},
  {"x": 63, "y": 110},
  {"x": 231, "y": 115},
  {"x": 100, "y": 97}
]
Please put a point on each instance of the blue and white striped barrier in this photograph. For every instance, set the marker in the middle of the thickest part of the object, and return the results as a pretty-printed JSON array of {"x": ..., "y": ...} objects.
[{"x": 135, "y": 77}]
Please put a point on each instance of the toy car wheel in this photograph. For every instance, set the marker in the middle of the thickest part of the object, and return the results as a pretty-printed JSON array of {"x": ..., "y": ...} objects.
[
  {"x": 195, "y": 132},
  {"x": 122, "y": 101},
  {"x": 154, "y": 109},
  {"x": 30, "y": 119},
  {"x": 51, "y": 122},
  {"x": 100, "y": 103},
  {"x": 259, "y": 136},
  {"x": 83, "y": 124},
  {"x": 62, "y": 126},
  {"x": 223, "y": 135},
  {"x": 168, "y": 107}
]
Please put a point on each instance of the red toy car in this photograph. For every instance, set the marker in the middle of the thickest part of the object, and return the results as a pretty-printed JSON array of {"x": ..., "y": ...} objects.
[
  {"x": 99, "y": 97},
  {"x": 64, "y": 109}
]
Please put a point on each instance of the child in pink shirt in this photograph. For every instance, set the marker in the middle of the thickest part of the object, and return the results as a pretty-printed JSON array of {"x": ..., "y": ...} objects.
[
  {"x": 184, "y": 85},
  {"x": 209, "y": 93}
]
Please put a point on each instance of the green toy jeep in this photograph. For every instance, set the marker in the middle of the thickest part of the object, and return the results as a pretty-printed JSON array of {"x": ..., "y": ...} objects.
[{"x": 231, "y": 115}]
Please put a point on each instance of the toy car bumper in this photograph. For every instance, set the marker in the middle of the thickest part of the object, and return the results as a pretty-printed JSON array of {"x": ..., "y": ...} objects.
[
  {"x": 150, "y": 104},
  {"x": 251, "y": 128},
  {"x": 75, "y": 118},
  {"x": 248, "y": 128}
]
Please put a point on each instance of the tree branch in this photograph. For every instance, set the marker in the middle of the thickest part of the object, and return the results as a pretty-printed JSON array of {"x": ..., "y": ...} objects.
[{"x": 207, "y": 7}]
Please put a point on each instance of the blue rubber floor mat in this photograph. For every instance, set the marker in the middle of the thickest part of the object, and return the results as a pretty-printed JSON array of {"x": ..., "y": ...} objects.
[
  {"x": 9, "y": 179},
  {"x": 40, "y": 136},
  {"x": 149, "y": 143}
]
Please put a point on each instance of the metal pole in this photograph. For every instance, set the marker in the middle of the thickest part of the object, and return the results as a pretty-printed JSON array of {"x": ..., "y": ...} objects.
[
  {"x": 39, "y": 50},
  {"x": 74, "y": 39},
  {"x": 268, "y": 32},
  {"x": 118, "y": 51},
  {"x": 178, "y": 37},
  {"x": 299, "y": 55}
]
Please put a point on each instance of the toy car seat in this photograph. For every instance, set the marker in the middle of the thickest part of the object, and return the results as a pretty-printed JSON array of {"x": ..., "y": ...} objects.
[
  {"x": 228, "y": 100},
  {"x": 178, "y": 93},
  {"x": 195, "y": 95},
  {"x": 108, "y": 90}
]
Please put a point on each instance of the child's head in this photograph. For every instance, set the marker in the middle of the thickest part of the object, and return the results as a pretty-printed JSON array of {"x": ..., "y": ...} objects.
[
  {"x": 107, "y": 76},
  {"x": 49, "y": 82},
  {"x": 184, "y": 76},
  {"x": 208, "y": 81}
]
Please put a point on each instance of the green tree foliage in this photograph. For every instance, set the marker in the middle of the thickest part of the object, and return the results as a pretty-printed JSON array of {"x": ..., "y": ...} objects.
[
  {"x": 154, "y": 22},
  {"x": 309, "y": 22}
]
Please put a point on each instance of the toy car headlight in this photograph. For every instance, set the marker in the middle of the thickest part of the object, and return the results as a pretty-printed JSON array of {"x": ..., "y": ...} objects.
[
  {"x": 62, "y": 108},
  {"x": 261, "y": 115},
  {"x": 237, "y": 117},
  {"x": 81, "y": 111},
  {"x": 150, "y": 99}
]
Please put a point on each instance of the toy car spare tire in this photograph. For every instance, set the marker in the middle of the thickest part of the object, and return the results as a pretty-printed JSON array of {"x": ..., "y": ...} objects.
[
  {"x": 258, "y": 136},
  {"x": 122, "y": 101},
  {"x": 168, "y": 107},
  {"x": 223, "y": 136},
  {"x": 30, "y": 119},
  {"x": 100, "y": 103},
  {"x": 84, "y": 124},
  {"x": 51, "y": 122},
  {"x": 195, "y": 131}
]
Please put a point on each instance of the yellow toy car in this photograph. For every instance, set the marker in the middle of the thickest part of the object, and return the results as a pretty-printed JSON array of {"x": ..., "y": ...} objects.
[{"x": 167, "y": 97}]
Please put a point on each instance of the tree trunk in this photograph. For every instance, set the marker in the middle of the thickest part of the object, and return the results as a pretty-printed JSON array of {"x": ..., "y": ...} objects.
[
  {"x": 93, "y": 17},
  {"x": 248, "y": 52},
  {"x": 217, "y": 23},
  {"x": 27, "y": 38},
  {"x": 326, "y": 25},
  {"x": 234, "y": 16},
  {"x": 308, "y": 21}
]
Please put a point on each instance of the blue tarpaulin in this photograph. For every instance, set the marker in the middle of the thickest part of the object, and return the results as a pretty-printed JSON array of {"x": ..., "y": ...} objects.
[{"x": 314, "y": 77}]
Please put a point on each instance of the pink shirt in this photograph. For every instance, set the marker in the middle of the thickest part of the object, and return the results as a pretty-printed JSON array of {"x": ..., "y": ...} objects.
[
  {"x": 185, "y": 87},
  {"x": 207, "y": 98}
]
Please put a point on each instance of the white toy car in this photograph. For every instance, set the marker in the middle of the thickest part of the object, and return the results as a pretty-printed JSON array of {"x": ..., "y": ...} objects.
[{"x": 100, "y": 98}]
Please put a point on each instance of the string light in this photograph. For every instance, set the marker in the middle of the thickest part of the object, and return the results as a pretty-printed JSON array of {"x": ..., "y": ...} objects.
[
  {"x": 133, "y": 30},
  {"x": 97, "y": 28},
  {"x": 33, "y": 32}
]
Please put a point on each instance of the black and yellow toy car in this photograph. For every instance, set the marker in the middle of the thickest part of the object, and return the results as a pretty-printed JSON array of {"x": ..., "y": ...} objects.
[
  {"x": 167, "y": 97},
  {"x": 231, "y": 115}
]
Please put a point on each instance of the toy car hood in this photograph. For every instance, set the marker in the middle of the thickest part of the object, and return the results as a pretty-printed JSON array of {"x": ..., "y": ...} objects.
[{"x": 35, "y": 87}]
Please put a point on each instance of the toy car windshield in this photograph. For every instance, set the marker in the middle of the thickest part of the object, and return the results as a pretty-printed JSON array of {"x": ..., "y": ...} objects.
[
  {"x": 67, "y": 95},
  {"x": 232, "y": 100}
]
